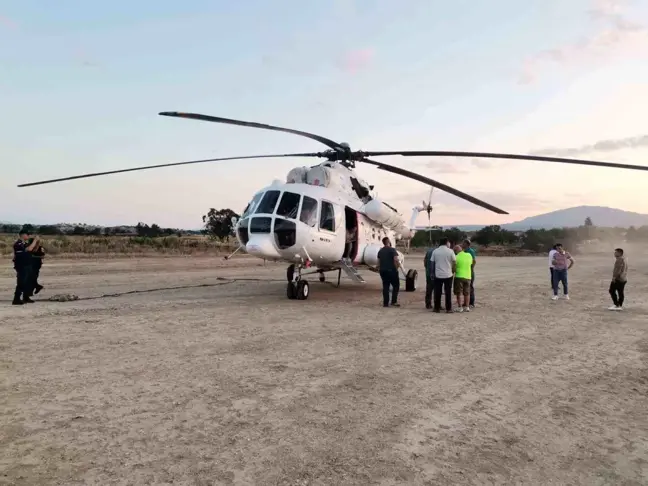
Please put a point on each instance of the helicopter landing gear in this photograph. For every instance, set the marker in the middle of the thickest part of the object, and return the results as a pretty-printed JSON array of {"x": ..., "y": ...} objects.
[
  {"x": 296, "y": 288},
  {"x": 411, "y": 279},
  {"x": 322, "y": 277}
]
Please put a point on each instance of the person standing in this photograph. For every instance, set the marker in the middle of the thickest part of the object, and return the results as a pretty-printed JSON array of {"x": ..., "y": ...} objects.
[
  {"x": 619, "y": 280},
  {"x": 22, "y": 265},
  {"x": 445, "y": 261},
  {"x": 463, "y": 275},
  {"x": 562, "y": 262},
  {"x": 429, "y": 277},
  {"x": 552, "y": 252},
  {"x": 389, "y": 264},
  {"x": 468, "y": 248},
  {"x": 37, "y": 256}
]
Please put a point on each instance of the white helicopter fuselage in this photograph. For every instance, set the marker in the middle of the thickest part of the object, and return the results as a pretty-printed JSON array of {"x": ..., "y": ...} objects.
[{"x": 305, "y": 222}]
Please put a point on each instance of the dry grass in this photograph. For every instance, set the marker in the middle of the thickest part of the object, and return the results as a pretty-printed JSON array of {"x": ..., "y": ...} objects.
[
  {"x": 106, "y": 246},
  {"x": 231, "y": 383}
]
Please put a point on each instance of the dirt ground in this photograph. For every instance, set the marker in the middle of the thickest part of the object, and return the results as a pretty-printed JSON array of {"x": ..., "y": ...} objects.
[{"x": 226, "y": 381}]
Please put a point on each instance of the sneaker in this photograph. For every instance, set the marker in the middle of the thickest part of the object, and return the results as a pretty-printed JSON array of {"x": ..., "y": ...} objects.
[
  {"x": 466, "y": 309},
  {"x": 395, "y": 304},
  {"x": 472, "y": 306},
  {"x": 555, "y": 297},
  {"x": 458, "y": 309},
  {"x": 566, "y": 297}
]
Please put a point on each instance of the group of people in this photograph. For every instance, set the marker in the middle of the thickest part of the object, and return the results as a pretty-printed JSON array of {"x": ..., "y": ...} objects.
[
  {"x": 560, "y": 261},
  {"x": 27, "y": 260},
  {"x": 444, "y": 266}
]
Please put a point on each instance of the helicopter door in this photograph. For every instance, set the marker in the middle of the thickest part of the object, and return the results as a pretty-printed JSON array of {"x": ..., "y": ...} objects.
[{"x": 332, "y": 233}]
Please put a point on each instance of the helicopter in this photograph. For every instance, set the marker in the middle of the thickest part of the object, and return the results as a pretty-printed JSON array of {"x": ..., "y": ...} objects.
[{"x": 325, "y": 217}]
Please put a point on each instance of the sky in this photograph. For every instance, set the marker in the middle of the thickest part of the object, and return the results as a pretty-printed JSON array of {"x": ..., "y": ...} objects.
[{"x": 82, "y": 83}]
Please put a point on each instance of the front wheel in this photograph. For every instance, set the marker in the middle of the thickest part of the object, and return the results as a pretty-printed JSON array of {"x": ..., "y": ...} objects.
[
  {"x": 303, "y": 290},
  {"x": 411, "y": 279}
]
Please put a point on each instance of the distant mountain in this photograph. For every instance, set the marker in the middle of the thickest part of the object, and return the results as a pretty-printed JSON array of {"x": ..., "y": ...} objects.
[{"x": 570, "y": 217}]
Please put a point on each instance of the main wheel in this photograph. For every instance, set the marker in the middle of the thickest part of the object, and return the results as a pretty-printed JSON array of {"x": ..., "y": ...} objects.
[
  {"x": 290, "y": 271},
  {"x": 302, "y": 290},
  {"x": 291, "y": 290},
  {"x": 410, "y": 280}
]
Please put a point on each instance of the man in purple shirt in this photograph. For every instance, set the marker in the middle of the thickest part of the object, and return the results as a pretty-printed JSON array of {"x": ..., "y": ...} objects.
[{"x": 562, "y": 262}]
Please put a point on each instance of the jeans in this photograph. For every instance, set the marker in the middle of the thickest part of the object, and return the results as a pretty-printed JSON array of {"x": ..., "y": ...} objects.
[
  {"x": 617, "y": 292},
  {"x": 472, "y": 289},
  {"x": 429, "y": 286},
  {"x": 551, "y": 272},
  {"x": 390, "y": 278},
  {"x": 445, "y": 285},
  {"x": 560, "y": 276}
]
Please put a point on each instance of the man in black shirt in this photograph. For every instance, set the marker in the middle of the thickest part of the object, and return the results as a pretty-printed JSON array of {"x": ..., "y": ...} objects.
[
  {"x": 22, "y": 265},
  {"x": 37, "y": 256},
  {"x": 389, "y": 264}
]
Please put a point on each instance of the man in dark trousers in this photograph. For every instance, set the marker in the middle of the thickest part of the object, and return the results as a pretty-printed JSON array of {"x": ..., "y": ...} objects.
[
  {"x": 22, "y": 264},
  {"x": 389, "y": 264},
  {"x": 619, "y": 280},
  {"x": 445, "y": 264},
  {"x": 429, "y": 277},
  {"x": 37, "y": 262}
]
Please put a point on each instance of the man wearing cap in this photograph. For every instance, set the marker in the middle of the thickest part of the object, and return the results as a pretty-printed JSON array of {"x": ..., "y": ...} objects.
[{"x": 22, "y": 265}]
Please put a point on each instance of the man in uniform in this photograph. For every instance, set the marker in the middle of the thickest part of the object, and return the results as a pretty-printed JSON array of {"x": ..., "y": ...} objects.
[
  {"x": 469, "y": 249},
  {"x": 389, "y": 263},
  {"x": 22, "y": 265},
  {"x": 37, "y": 262}
]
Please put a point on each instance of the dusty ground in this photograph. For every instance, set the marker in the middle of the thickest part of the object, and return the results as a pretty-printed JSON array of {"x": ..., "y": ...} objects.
[{"x": 234, "y": 384}]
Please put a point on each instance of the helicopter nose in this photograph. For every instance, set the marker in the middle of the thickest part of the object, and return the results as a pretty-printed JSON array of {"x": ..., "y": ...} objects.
[{"x": 262, "y": 246}]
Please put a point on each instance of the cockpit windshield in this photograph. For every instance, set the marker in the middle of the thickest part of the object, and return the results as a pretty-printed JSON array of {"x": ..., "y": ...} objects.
[
  {"x": 268, "y": 203},
  {"x": 249, "y": 209},
  {"x": 289, "y": 205}
]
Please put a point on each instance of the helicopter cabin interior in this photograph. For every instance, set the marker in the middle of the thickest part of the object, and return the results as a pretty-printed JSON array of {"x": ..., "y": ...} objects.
[{"x": 351, "y": 223}]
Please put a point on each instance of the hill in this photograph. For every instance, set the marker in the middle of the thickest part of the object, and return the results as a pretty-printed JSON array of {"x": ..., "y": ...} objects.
[{"x": 573, "y": 217}]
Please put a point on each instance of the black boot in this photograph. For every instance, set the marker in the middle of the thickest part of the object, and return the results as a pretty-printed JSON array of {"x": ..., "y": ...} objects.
[
  {"x": 38, "y": 288},
  {"x": 16, "y": 299},
  {"x": 27, "y": 300}
]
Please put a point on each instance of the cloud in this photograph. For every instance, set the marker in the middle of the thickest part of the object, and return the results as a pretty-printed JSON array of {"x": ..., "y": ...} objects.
[
  {"x": 357, "y": 60},
  {"x": 611, "y": 145},
  {"x": 7, "y": 22},
  {"x": 617, "y": 36},
  {"x": 458, "y": 165}
]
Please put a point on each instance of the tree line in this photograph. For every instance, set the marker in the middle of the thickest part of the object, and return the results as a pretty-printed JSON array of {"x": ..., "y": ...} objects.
[{"x": 141, "y": 229}]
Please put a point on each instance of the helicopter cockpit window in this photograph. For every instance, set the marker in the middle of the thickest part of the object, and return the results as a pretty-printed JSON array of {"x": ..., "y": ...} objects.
[
  {"x": 289, "y": 205},
  {"x": 268, "y": 203},
  {"x": 308, "y": 213},
  {"x": 249, "y": 209},
  {"x": 327, "y": 218}
]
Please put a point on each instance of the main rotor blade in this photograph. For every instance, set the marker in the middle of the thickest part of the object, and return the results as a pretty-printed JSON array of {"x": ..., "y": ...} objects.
[
  {"x": 433, "y": 183},
  {"x": 229, "y": 121},
  {"x": 95, "y": 174},
  {"x": 488, "y": 155}
]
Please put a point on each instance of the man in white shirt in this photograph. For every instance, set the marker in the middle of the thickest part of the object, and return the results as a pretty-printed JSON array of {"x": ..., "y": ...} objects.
[
  {"x": 445, "y": 263},
  {"x": 552, "y": 252}
]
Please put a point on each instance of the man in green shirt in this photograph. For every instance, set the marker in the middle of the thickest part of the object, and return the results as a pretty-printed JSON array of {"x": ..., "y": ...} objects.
[
  {"x": 466, "y": 247},
  {"x": 463, "y": 275}
]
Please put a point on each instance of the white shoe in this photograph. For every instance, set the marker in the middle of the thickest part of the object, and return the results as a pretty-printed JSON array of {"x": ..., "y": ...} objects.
[
  {"x": 458, "y": 309},
  {"x": 555, "y": 297},
  {"x": 466, "y": 309},
  {"x": 613, "y": 308},
  {"x": 566, "y": 297}
]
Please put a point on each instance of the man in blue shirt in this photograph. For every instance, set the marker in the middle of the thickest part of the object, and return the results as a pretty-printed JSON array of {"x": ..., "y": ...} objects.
[
  {"x": 469, "y": 249},
  {"x": 22, "y": 264}
]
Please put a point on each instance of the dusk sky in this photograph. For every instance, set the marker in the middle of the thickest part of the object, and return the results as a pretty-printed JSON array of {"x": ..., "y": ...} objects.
[{"x": 81, "y": 85}]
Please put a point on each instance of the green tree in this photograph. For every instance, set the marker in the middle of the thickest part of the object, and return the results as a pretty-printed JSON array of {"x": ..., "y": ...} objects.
[
  {"x": 588, "y": 221},
  {"x": 218, "y": 223},
  {"x": 495, "y": 235}
]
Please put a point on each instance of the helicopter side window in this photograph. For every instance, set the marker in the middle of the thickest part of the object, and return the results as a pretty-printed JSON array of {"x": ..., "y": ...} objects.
[
  {"x": 249, "y": 209},
  {"x": 289, "y": 205},
  {"x": 327, "y": 218},
  {"x": 308, "y": 213},
  {"x": 268, "y": 203}
]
